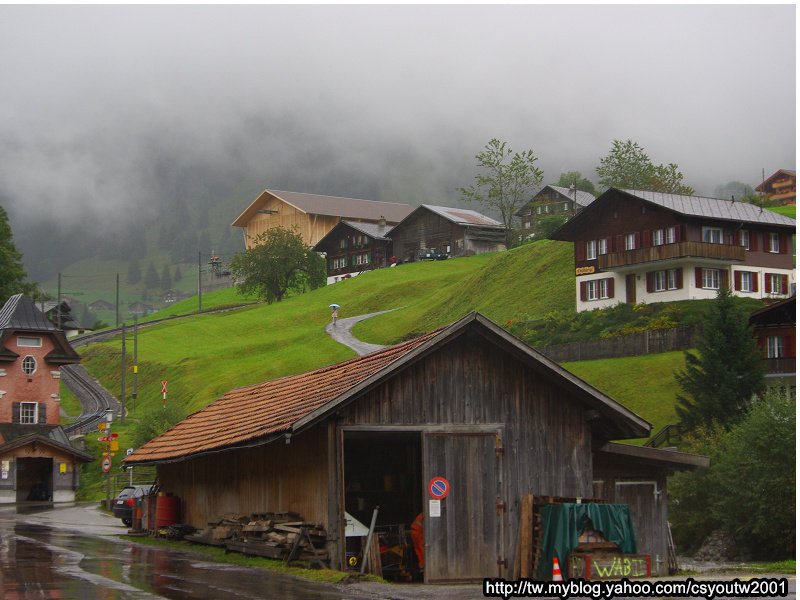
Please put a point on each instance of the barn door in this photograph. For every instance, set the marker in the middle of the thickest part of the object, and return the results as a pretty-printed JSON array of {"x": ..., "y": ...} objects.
[
  {"x": 648, "y": 517},
  {"x": 462, "y": 542}
]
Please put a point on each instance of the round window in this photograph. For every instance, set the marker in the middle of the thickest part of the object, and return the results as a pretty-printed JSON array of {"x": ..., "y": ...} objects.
[{"x": 28, "y": 365}]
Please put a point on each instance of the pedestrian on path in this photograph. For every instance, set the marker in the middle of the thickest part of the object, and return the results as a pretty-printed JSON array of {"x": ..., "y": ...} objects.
[{"x": 334, "y": 312}]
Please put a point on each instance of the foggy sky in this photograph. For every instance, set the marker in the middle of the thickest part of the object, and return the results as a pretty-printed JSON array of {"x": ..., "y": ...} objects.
[{"x": 109, "y": 108}]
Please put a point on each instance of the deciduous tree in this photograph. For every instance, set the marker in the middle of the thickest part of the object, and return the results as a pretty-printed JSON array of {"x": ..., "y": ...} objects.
[
  {"x": 506, "y": 181},
  {"x": 627, "y": 166},
  {"x": 279, "y": 262},
  {"x": 575, "y": 178}
]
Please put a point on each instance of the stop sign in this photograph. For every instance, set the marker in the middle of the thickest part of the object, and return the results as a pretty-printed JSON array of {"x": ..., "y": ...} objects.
[{"x": 106, "y": 464}]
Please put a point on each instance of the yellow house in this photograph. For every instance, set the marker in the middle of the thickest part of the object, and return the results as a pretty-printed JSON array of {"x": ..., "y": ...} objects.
[{"x": 312, "y": 215}]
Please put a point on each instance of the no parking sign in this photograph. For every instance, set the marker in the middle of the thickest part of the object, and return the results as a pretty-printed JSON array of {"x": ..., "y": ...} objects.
[{"x": 438, "y": 488}]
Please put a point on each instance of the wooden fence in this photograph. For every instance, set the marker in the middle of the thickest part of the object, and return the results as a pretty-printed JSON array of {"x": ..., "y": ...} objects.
[{"x": 632, "y": 344}]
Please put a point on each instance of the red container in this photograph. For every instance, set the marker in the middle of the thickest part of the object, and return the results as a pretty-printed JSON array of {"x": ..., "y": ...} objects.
[{"x": 168, "y": 510}]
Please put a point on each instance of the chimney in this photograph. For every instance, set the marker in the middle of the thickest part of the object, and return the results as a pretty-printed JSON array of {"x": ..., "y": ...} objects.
[{"x": 382, "y": 221}]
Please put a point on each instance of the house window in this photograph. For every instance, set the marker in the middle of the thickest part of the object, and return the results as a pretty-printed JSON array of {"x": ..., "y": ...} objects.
[
  {"x": 566, "y": 206},
  {"x": 658, "y": 237},
  {"x": 774, "y": 243},
  {"x": 669, "y": 235},
  {"x": 362, "y": 259},
  {"x": 29, "y": 365},
  {"x": 339, "y": 262},
  {"x": 343, "y": 243},
  {"x": 538, "y": 210},
  {"x": 602, "y": 246},
  {"x": 744, "y": 239},
  {"x": 29, "y": 342},
  {"x": 591, "y": 250},
  {"x": 661, "y": 281},
  {"x": 712, "y": 235},
  {"x": 630, "y": 241},
  {"x": 746, "y": 281},
  {"x": 775, "y": 346},
  {"x": 597, "y": 289},
  {"x": 28, "y": 413},
  {"x": 775, "y": 281},
  {"x": 711, "y": 279},
  {"x": 527, "y": 224}
]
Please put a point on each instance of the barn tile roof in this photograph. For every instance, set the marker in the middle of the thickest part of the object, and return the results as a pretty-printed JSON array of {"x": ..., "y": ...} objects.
[
  {"x": 335, "y": 206},
  {"x": 258, "y": 411},
  {"x": 257, "y": 414}
]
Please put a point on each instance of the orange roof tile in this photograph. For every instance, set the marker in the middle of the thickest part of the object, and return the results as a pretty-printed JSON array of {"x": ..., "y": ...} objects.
[{"x": 255, "y": 412}]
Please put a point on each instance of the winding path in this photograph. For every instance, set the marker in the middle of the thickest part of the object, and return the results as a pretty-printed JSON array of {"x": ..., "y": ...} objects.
[{"x": 342, "y": 332}]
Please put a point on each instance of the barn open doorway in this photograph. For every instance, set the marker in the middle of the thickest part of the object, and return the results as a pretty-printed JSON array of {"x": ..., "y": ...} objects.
[
  {"x": 34, "y": 479},
  {"x": 384, "y": 469}
]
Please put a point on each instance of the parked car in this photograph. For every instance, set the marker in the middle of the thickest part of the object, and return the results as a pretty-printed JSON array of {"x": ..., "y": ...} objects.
[
  {"x": 431, "y": 254},
  {"x": 126, "y": 500}
]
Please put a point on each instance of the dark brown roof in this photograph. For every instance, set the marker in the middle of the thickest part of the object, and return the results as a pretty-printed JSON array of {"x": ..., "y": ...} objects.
[
  {"x": 14, "y": 436},
  {"x": 258, "y": 414},
  {"x": 335, "y": 206},
  {"x": 19, "y": 312}
]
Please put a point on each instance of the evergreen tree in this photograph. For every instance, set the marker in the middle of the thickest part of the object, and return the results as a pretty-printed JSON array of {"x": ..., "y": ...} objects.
[
  {"x": 721, "y": 379},
  {"x": 151, "y": 278},
  {"x": 13, "y": 278},
  {"x": 166, "y": 278},
  {"x": 134, "y": 272}
]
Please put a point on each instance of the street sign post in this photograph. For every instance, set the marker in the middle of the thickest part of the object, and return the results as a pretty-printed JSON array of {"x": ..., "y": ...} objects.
[{"x": 106, "y": 464}]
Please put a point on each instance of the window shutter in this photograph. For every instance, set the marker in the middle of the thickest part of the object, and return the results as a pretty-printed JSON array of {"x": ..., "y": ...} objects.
[
  {"x": 583, "y": 291},
  {"x": 753, "y": 280},
  {"x": 767, "y": 287},
  {"x": 679, "y": 234},
  {"x": 619, "y": 243},
  {"x": 650, "y": 285},
  {"x": 753, "y": 241},
  {"x": 637, "y": 240},
  {"x": 782, "y": 244},
  {"x": 679, "y": 278},
  {"x": 42, "y": 413},
  {"x": 580, "y": 251},
  {"x": 646, "y": 238},
  {"x": 611, "y": 287},
  {"x": 609, "y": 245},
  {"x": 784, "y": 284},
  {"x": 766, "y": 244},
  {"x": 737, "y": 280},
  {"x": 724, "y": 278},
  {"x": 698, "y": 277},
  {"x": 788, "y": 345},
  {"x": 15, "y": 408}
]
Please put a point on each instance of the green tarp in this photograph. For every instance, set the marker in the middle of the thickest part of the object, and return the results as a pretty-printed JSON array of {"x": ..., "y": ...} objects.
[{"x": 562, "y": 524}]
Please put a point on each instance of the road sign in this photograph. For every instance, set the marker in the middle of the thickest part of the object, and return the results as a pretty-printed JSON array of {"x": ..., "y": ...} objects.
[
  {"x": 114, "y": 436},
  {"x": 164, "y": 386},
  {"x": 438, "y": 488},
  {"x": 102, "y": 426},
  {"x": 106, "y": 465},
  {"x": 103, "y": 439}
]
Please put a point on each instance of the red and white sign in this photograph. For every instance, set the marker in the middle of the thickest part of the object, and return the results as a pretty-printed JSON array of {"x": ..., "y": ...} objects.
[
  {"x": 164, "y": 387},
  {"x": 438, "y": 488},
  {"x": 106, "y": 465}
]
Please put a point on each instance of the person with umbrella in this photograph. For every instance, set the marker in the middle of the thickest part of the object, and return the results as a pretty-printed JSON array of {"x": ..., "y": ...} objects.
[{"x": 334, "y": 312}]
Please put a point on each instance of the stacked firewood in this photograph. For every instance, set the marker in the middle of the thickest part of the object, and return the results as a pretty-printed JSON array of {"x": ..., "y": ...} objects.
[{"x": 283, "y": 536}]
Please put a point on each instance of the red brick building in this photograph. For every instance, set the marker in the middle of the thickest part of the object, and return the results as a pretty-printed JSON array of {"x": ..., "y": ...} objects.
[{"x": 37, "y": 461}]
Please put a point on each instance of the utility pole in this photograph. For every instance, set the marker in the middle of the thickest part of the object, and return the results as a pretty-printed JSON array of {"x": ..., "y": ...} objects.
[
  {"x": 122, "y": 393},
  {"x": 109, "y": 419},
  {"x": 116, "y": 324},
  {"x": 58, "y": 302},
  {"x": 135, "y": 359},
  {"x": 199, "y": 282}
]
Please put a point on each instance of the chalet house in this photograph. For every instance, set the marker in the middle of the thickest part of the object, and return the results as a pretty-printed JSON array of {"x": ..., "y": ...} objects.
[
  {"x": 636, "y": 246},
  {"x": 468, "y": 402},
  {"x": 449, "y": 231},
  {"x": 312, "y": 215},
  {"x": 553, "y": 200},
  {"x": 37, "y": 461},
  {"x": 140, "y": 308},
  {"x": 352, "y": 247},
  {"x": 774, "y": 327},
  {"x": 101, "y": 305},
  {"x": 781, "y": 187}
]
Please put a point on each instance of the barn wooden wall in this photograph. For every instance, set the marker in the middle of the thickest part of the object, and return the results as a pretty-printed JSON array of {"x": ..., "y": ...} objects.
[
  {"x": 276, "y": 477},
  {"x": 310, "y": 226},
  {"x": 427, "y": 230},
  {"x": 545, "y": 435}
]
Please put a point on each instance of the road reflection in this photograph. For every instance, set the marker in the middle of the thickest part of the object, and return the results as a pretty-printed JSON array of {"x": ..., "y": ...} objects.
[{"x": 38, "y": 561}]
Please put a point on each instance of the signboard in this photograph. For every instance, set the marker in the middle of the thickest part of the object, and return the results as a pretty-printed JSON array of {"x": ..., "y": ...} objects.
[
  {"x": 106, "y": 465},
  {"x": 102, "y": 426},
  {"x": 438, "y": 488},
  {"x": 164, "y": 387},
  {"x": 584, "y": 270},
  {"x": 434, "y": 508}
]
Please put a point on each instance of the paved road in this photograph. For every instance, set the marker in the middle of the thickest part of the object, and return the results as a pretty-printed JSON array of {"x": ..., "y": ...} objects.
[{"x": 341, "y": 331}]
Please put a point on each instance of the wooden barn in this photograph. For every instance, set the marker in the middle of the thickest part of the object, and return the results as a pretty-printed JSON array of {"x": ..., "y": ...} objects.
[
  {"x": 352, "y": 247},
  {"x": 469, "y": 403},
  {"x": 312, "y": 215},
  {"x": 448, "y": 231}
]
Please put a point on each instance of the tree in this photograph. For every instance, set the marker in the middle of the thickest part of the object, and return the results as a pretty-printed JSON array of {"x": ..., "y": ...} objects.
[
  {"x": 735, "y": 189},
  {"x": 627, "y": 166},
  {"x": 151, "y": 278},
  {"x": 571, "y": 178},
  {"x": 279, "y": 262},
  {"x": 720, "y": 381},
  {"x": 166, "y": 278},
  {"x": 134, "y": 271},
  {"x": 505, "y": 183},
  {"x": 13, "y": 278}
]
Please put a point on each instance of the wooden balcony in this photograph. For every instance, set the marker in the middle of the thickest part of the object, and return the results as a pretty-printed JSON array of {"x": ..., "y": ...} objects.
[
  {"x": 780, "y": 366},
  {"x": 722, "y": 252}
]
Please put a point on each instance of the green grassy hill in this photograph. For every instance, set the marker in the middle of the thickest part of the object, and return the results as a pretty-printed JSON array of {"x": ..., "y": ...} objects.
[{"x": 205, "y": 355}]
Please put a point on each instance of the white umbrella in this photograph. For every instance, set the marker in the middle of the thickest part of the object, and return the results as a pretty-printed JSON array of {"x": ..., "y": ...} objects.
[{"x": 334, "y": 306}]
